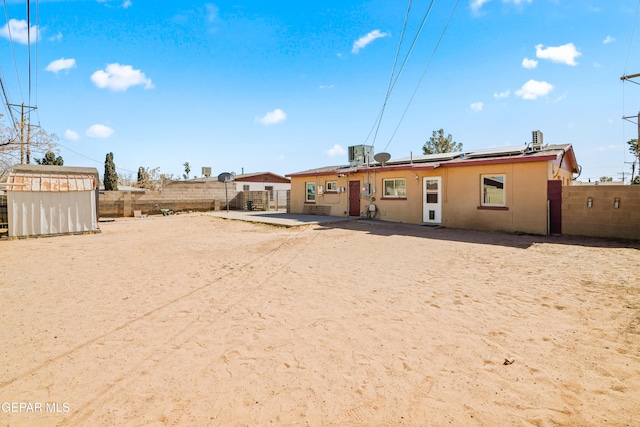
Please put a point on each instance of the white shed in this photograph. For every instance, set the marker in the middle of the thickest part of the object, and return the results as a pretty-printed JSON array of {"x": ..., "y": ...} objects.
[{"x": 50, "y": 200}]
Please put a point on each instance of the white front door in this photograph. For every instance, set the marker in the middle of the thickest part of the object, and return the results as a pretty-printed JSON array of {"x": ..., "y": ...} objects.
[{"x": 432, "y": 199}]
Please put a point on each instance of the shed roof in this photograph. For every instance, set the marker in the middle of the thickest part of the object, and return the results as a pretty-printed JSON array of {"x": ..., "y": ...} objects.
[{"x": 50, "y": 182}]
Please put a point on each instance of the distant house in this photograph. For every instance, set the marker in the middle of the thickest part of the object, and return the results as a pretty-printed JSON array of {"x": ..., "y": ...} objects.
[
  {"x": 50, "y": 200},
  {"x": 277, "y": 185},
  {"x": 514, "y": 189}
]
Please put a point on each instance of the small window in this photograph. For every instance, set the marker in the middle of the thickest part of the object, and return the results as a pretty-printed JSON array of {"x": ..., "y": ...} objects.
[
  {"x": 395, "y": 187},
  {"x": 245, "y": 188},
  {"x": 311, "y": 192},
  {"x": 493, "y": 190},
  {"x": 332, "y": 186}
]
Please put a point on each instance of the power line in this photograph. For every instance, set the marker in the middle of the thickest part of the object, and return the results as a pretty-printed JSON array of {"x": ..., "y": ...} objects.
[
  {"x": 404, "y": 62},
  {"x": 15, "y": 62},
  {"x": 635, "y": 19},
  {"x": 455, "y": 6}
]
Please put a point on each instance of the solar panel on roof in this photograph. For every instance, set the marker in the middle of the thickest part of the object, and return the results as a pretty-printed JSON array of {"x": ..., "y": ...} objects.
[{"x": 499, "y": 151}]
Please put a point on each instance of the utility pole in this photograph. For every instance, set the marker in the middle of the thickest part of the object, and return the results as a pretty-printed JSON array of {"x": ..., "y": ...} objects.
[
  {"x": 22, "y": 136},
  {"x": 629, "y": 78}
]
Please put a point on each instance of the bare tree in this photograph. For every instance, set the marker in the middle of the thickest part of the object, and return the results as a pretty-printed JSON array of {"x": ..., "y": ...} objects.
[{"x": 12, "y": 149}]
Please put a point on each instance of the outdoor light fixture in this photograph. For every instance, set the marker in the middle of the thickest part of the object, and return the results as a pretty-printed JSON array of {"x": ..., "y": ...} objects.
[
  {"x": 616, "y": 202},
  {"x": 589, "y": 202}
]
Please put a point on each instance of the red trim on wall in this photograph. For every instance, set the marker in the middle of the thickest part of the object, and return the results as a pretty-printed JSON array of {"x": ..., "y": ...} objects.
[{"x": 393, "y": 198}]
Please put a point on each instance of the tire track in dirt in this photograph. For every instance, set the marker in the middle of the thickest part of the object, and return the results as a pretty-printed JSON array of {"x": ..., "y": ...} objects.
[{"x": 160, "y": 354}]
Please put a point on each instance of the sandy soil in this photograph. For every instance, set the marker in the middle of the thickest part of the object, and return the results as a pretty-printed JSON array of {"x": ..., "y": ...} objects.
[{"x": 194, "y": 320}]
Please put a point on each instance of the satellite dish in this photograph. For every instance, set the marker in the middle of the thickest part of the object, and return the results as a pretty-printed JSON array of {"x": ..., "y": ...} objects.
[
  {"x": 382, "y": 158},
  {"x": 225, "y": 177}
]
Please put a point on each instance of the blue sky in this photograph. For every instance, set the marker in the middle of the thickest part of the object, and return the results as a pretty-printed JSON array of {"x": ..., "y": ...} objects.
[{"x": 287, "y": 86}]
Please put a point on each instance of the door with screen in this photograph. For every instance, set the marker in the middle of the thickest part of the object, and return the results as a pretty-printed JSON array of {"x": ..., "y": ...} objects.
[{"x": 432, "y": 199}]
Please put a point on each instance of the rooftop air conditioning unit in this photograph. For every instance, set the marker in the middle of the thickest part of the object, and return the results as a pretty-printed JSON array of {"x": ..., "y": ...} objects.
[
  {"x": 536, "y": 140},
  {"x": 359, "y": 154},
  {"x": 206, "y": 171}
]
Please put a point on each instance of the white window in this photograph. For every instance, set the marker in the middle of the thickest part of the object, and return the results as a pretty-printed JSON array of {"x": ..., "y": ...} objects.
[
  {"x": 311, "y": 192},
  {"x": 332, "y": 186},
  {"x": 395, "y": 187},
  {"x": 493, "y": 190}
]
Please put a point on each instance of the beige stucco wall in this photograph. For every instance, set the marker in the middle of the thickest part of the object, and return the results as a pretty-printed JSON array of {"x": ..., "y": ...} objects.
[
  {"x": 601, "y": 219},
  {"x": 525, "y": 189}
]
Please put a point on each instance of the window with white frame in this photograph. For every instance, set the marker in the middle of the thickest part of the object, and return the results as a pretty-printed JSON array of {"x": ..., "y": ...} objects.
[
  {"x": 332, "y": 186},
  {"x": 395, "y": 187},
  {"x": 493, "y": 190},
  {"x": 311, "y": 192}
]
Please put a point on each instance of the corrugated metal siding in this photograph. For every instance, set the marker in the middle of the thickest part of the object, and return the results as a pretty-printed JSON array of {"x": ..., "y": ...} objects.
[
  {"x": 33, "y": 213},
  {"x": 51, "y": 204}
]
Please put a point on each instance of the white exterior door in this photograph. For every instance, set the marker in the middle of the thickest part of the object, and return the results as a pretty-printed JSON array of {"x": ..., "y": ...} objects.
[{"x": 432, "y": 199}]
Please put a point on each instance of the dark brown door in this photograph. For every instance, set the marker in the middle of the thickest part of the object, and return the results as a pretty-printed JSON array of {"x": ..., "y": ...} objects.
[
  {"x": 354, "y": 198},
  {"x": 554, "y": 195}
]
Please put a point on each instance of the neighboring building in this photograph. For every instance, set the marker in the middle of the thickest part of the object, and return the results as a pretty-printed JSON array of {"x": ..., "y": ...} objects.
[
  {"x": 501, "y": 189},
  {"x": 277, "y": 185},
  {"x": 49, "y": 200}
]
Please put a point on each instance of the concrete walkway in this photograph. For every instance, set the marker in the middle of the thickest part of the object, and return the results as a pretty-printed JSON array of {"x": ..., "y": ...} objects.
[{"x": 279, "y": 218}]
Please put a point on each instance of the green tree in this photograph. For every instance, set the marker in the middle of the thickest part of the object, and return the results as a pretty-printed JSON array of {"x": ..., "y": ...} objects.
[
  {"x": 50, "y": 159},
  {"x": 636, "y": 180},
  {"x": 187, "y": 169},
  {"x": 606, "y": 179},
  {"x": 110, "y": 175},
  {"x": 633, "y": 147},
  {"x": 438, "y": 143}
]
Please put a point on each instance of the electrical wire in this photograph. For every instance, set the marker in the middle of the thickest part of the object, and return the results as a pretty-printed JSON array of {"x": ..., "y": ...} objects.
[
  {"x": 15, "y": 62},
  {"x": 455, "y": 6},
  {"x": 393, "y": 71},
  {"x": 635, "y": 20},
  {"x": 404, "y": 62}
]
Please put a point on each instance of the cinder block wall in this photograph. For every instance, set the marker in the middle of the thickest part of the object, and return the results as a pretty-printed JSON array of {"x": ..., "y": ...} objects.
[
  {"x": 196, "y": 195},
  {"x": 602, "y": 219}
]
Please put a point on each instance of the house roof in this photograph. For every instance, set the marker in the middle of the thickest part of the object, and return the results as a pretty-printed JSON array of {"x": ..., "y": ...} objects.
[
  {"x": 515, "y": 154},
  {"x": 261, "y": 177}
]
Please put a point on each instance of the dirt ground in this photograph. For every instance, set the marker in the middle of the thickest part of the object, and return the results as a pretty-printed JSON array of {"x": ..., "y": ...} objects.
[{"x": 194, "y": 320}]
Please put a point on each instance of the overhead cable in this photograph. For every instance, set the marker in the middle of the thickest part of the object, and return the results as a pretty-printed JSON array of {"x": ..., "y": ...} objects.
[{"x": 423, "y": 73}]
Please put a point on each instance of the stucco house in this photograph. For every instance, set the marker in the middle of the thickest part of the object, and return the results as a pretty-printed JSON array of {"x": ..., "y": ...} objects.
[
  {"x": 513, "y": 189},
  {"x": 275, "y": 184}
]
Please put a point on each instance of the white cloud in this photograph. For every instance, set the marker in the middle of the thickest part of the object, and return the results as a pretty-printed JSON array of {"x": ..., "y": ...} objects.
[
  {"x": 56, "y": 38},
  {"x": 529, "y": 63},
  {"x": 565, "y": 54},
  {"x": 334, "y": 151},
  {"x": 534, "y": 89},
  {"x": 61, "y": 65},
  {"x": 99, "y": 131},
  {"x": 17, "y": 31},
  {"x": 126, "y": 4},
  {"x": 272, "y": 117},
  {"x": 517, "y": 2},
  {"x": 597, "y": 65},
  {"x": 118, "y": 77},
  {"x": 211, "y": 12},
  {"x": 331, "y": 86},
  {"x": 477, "y": 4},
  {"x": 363, "y": 41},
  {"x": 502, "y": 95},
  {"x": 71, "y": 135},
  {"x": 477, "y": 106},
  {"x": 608, "y": 40}
]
